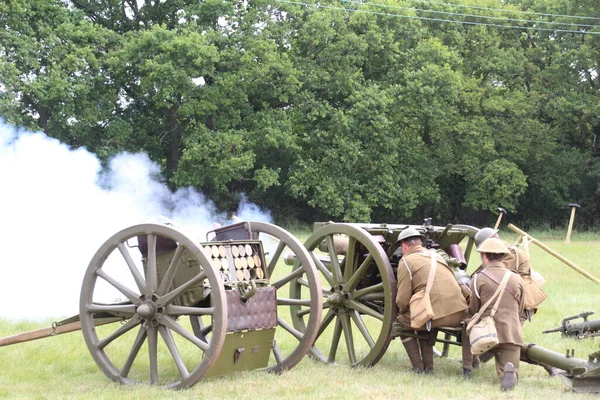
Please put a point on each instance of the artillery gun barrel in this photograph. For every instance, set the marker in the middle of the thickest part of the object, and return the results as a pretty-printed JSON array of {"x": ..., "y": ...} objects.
[
  {"x": 568, "y": 362},
  {"x": 580, "y": 375}
]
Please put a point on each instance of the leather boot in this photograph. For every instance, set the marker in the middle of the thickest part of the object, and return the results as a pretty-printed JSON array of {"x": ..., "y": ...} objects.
[
  {"x": 509, "y": 377},
  {"x": 427, "y": 354},
  {"x": 414, "y": 355}
]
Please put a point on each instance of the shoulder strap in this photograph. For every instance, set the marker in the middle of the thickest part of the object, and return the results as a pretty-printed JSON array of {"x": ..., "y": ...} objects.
[
  {"x": 498, "y": 280},
  {"x": 431, "y": 273},
  {"x": 500, "y": 291},
  {"x": 497, "y": 293}
]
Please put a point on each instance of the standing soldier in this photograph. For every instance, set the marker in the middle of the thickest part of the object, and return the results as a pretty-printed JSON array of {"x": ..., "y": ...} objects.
[
  {"x": 447, "y": 301},
  {"x": 507, "y": 318}
]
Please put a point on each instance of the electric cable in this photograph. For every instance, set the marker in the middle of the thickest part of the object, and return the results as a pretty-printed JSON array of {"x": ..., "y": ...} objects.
[
  {"x": 357, "y": 2},
  {"x": 437, "y": 19}
]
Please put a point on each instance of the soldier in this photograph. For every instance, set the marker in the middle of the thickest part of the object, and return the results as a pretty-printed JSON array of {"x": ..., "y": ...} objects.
[
  {"x": 447, "y": 302},
  {"x": 516, "y": 260},
  {"x": 507, "y": 318}
]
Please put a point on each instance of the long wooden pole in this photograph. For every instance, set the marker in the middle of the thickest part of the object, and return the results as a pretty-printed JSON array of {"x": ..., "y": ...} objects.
[
  {"x": 47, "y": 332},
  {"x": 570, "y": 229},
  {"x": 555, "y": 254}
]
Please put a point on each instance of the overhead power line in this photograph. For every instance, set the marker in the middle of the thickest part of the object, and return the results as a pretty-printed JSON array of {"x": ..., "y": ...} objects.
[
  {"x": 529, "y": 28},
  {"x": 504, "y": 10},
  {"x": 358, "y": 2}
]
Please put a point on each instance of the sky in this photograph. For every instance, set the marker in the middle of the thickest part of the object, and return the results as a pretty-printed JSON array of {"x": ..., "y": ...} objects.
[{"x": 57, "y": 207}]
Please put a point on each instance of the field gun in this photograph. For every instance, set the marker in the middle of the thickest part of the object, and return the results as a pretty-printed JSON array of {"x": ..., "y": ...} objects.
[
  {"x": 580, "y": 330},
  {"x": 358, "y": 267},
  {"x": 196, "y": 309}
]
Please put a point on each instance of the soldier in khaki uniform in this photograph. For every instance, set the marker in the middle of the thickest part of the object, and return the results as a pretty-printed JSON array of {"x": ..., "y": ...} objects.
[
  {"x": 514, "y": 255},
  {"x": 447, "y": 301},
  {"x": 516, "y": 260},
  {"x": 507, "y": 318}
]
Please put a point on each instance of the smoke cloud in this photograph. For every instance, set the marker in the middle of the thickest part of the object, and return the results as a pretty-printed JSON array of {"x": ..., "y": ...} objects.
[{"x": 58, "y": 206}]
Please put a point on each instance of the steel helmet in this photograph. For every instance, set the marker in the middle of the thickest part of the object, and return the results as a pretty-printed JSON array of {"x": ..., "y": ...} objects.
[
  {"x": 483, "y": 234},
  {"x": 408, "y": 233},
  {"x": 493, "y": 245}
]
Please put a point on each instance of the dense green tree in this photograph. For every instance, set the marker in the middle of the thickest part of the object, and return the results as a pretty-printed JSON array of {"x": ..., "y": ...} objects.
[{"x": 352, "y": 111}]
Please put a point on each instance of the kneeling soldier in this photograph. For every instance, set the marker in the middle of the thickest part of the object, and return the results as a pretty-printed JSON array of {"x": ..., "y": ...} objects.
[{"x": 507, "y": 317}]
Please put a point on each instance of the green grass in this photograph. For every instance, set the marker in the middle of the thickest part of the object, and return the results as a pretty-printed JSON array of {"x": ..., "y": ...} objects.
[{"x": 61, "y": 367}]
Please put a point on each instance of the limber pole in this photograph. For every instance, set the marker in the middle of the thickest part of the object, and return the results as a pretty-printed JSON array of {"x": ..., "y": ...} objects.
[{"x": 555, "y": 254}]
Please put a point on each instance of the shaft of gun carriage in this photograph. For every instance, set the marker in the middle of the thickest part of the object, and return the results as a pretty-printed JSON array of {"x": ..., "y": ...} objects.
[{"x": 580, "y": 375}]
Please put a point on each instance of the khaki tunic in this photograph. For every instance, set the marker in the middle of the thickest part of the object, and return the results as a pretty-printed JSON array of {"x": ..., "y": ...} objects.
[
  {"x": 507, "y": 317},
  {"x": 413, "y": 271}
]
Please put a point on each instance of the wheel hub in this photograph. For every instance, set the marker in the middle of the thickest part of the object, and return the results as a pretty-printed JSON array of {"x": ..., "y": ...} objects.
[
  {"x": 146, "y": 311},
  {"x": 335, "y": 299}
]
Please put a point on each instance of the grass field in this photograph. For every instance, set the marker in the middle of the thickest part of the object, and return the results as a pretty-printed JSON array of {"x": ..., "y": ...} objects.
[{"x": 61, "y": 367}]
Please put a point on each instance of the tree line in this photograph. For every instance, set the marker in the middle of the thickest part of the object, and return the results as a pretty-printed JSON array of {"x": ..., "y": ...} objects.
[{"x": 343, "y": 110}]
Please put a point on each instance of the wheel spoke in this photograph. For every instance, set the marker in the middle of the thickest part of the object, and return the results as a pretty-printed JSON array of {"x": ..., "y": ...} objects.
[
  {"x": 373, "y": 296},
  {"x": 153, "y": 353},
  {"x": 323, "y": 270},
  {"x": 175, "y": 326},
  {"x": 199, "y": 330},
  {"x": 347, "y": 328},
  {"x": 135, "y": 349},
  {"x": 335, "y": 263},
  {"x": 122, "y": 310},
  {"x": 335, "y": 340},
  {"x": 171, "y": 271},
  {"x": 137, "y": 276},
  {"x": 292, "y": 302},
  {"x": 132, "y": 296},
  {"x": 377, "y": 288},
  {"x": 362, "y": 327},
  {"x": 183, "y": 310},
  {"x": 152, "y": 281},
  {"x": 325, "y": 322},
  {"x": 356, "y": 277},
  {"x": 349, "y": 259},
  {"x": 126, "y": 327},
  {"x": 277, "y": 354},
  {"x": 295, "y": 274},
  {"x": 275, "y": 258},
  {"x": 303, "y": 282},
  {"x": 294, "y": 332},
  {"x": 355, "y": 305},
  {"x": 168, "y": 338},
  {"x": 168, "y": 298}
]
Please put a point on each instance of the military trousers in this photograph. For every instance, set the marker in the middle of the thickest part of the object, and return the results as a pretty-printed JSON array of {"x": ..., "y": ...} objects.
[{"x": 506, "y": 352}]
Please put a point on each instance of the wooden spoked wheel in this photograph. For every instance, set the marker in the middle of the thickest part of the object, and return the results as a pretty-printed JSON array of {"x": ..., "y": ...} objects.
[
  {"x": 359, "y": 292},
  {"x": 298, "y": 290},
  {"x": 151, "y": 300}
]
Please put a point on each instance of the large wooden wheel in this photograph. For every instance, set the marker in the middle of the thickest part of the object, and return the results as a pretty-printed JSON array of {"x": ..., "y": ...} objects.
[
  {"x": 298, "y": 289},
  {"x": 359, "y": 291},
  {"x": 151, "y": 301}
]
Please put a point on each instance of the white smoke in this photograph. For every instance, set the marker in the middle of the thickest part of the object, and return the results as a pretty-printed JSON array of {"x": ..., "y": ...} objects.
[{"x": 58, "y": 207}]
